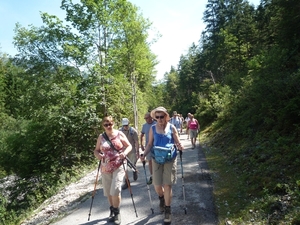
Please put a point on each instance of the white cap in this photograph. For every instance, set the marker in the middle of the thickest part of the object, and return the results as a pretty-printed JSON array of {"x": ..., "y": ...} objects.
[{"x": 125, "y": 122}]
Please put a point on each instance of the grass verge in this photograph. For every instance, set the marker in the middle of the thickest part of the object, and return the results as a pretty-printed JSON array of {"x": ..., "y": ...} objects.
[{"x": 241, "y": 201}]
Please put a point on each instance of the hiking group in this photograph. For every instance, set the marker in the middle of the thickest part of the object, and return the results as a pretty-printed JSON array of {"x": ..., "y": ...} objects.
[{"x": 118, "y": 149}]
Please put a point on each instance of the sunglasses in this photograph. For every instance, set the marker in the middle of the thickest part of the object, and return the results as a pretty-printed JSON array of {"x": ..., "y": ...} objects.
[
  {"x": 107, "y": 124},
  {"x": 159, "y": 117}
]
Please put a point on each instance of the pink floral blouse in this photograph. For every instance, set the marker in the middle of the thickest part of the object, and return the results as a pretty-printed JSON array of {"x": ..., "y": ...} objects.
[{"x": 111, "y": 160}]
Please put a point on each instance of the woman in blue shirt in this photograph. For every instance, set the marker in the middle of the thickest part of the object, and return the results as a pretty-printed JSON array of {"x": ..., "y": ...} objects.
[{"x": 164, "y": 175}]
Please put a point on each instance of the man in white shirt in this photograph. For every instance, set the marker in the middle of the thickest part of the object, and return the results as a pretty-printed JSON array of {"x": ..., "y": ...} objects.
[
  {"x": 176, "y": 121},
  {"x": 187, "y": 119}
]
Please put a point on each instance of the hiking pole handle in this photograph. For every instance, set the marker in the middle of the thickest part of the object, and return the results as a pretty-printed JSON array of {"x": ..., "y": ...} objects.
[
  {"x": 180, "y": 153},
  {"x": 131, "y": 165}
]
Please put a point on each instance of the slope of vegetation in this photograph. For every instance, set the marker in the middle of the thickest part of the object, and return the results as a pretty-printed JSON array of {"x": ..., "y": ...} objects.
[{"x": 242, "y": 83}]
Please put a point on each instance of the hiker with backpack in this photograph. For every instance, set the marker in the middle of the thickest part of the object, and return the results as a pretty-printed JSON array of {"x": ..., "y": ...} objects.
[
  {"x": 163, "y": 142},
  {"x": 132, "y": 136},
  {"x": 145, "y": 132},
  {"x": 111, "y": 149},
  {"x": 176, "y": 121}
]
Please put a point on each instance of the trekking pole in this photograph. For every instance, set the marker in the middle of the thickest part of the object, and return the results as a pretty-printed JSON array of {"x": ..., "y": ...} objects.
[
  {"x": 131, "y": 165},
  {"x": 144, "y": 162},
  {"x": 129, "y": 188},
  {"x": 199, "y": 137},
  {"x": 93, "y": 195},
  {"x": 183, "y": 191}
]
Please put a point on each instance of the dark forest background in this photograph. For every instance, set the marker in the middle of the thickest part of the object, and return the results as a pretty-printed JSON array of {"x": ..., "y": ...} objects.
[{"x": 241, "y": 81}]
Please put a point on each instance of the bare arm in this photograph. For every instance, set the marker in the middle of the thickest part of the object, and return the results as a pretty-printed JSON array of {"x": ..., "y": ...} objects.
[
  {"x": 198, "y": 126},
  {"x": 149, "y": 145},
  {"x": 126, "y": 144},
  {"x": 141, "y": 141},
  {"x": 97, "y": 151},
  {"x": 176, "y": 138},
  {"x": 137, "y": 146}
]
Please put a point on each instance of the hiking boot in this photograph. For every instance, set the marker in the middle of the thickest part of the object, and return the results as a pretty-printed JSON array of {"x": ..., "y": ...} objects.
[
  {"x": 149, "y": 181},
  {"x": 167, "y": 214},
  {"x": 111, "y": 217},
  {"x": 162, "y": 204},
  {"x": 117, "y": 216},
  {"x": 135, "y": 175},
  {"x": 125, "y": 185}
]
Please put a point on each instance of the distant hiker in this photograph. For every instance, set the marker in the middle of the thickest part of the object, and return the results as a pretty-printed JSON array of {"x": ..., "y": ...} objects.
[
  {"x": 112, "y": 169},
  {"x": 194, "y": 128},
  {"x": 187, "y": 119},
  {"x": 163, "y": 134},
  {"x": 132, "y": 136},
  {"x": 182, "y": 121},
  {"x": 176, "y": 121},
  {"x": 145, "y": 132}
]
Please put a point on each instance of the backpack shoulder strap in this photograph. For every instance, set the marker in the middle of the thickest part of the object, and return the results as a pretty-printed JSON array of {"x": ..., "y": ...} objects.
[
  {"x": 109, "y": 142},
  {"x": 131, "y": 131}
]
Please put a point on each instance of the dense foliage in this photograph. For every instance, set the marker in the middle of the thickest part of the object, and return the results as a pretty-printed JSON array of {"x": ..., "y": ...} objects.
[
  {"x": 54, "y": 92},
  {"x": 241, "y": 81}
]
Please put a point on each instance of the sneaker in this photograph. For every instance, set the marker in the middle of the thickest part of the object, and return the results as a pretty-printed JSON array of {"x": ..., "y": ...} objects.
[
  {"x": 111, "y": 217},
  {"x": 161, "y": 203},
  {"x": 149, "y": 181},
  {"x": 117, "y": 216},
  {"x": 135, "y": 176},
  {"x": 167, "y": 214},
  {"x": 125, "y": 186}
]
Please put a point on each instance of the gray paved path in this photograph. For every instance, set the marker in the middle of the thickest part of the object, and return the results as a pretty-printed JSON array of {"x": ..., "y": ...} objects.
[{"x": 198, "y": 193}]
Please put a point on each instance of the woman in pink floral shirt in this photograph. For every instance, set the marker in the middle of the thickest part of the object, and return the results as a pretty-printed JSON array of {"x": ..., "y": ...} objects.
[{"x": 112, "y": 165}]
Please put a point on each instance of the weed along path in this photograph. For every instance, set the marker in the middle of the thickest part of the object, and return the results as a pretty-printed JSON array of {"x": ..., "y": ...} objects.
[{"x": 198, "y": 190}]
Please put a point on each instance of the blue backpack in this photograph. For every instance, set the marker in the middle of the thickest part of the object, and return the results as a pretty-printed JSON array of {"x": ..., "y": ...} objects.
[{"x": 166, "y": 154}]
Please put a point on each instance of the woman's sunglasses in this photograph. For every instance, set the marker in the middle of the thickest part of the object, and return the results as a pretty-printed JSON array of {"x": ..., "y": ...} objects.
[
  {"x": 107, "y": 124},
  {"x": 159, "y": 117}
]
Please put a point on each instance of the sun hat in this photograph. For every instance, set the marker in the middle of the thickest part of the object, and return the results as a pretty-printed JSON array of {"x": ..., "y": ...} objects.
[
  {"x": 160, "y": 109},
  {"x": 125, "y": 121}
]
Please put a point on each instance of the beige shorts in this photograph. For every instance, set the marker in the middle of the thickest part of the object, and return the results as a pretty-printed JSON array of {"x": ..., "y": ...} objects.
[
  {"x": 164, "y": 174},
  {"x": 112, "y": 182},
  {"x": 193, "y": 133}
]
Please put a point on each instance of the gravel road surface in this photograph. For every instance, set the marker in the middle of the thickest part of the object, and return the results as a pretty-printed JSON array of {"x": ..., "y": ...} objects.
[{"x": 197, "y": 209}]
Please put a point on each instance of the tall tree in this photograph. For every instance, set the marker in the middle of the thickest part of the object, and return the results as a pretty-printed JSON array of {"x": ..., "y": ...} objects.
[{"x": 72, "y": 74}]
